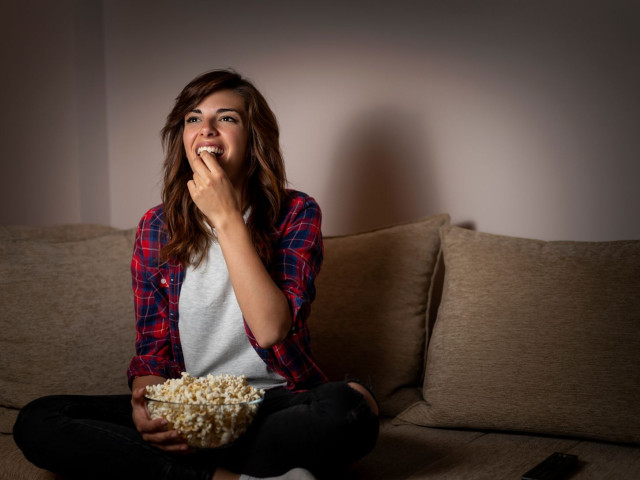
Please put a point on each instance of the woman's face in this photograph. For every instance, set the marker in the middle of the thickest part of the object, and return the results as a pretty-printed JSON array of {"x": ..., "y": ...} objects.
[{"x": 219, "y": 125}]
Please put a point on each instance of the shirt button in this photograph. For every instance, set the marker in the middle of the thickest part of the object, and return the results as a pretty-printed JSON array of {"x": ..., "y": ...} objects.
[{"x": 163, "y": 281}]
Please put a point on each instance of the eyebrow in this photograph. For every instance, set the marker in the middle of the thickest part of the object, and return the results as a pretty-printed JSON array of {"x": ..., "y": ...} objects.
[{"x": 220, "y": 110}]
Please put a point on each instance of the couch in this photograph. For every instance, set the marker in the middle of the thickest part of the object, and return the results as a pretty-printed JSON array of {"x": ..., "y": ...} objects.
[{"x": 487, "y": 353}]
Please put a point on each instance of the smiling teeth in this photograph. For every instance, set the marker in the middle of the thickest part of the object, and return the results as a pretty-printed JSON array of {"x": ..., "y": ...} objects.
[{"x": 211, "y": 150}]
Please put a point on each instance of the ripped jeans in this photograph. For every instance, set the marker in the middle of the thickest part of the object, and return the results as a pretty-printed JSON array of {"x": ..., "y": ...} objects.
[{"x": 323, "y": 430}]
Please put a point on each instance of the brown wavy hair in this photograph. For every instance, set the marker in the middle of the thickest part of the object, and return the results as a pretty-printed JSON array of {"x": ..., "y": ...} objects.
[{"x": 264, "y": 189}]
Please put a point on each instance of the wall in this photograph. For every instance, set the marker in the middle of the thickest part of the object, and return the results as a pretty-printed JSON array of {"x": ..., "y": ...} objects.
[
  {"x": 38, "y": 119},
  {"x": 516, "y": 118},
  {"x": 53, "y": 119}
]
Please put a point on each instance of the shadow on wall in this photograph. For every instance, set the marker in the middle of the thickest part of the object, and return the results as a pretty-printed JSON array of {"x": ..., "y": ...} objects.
[{"x": 381, "y": 171}]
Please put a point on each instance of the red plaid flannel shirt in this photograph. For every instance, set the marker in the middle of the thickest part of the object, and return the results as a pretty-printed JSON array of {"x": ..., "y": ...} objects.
[{"x": 298, "y": 253}]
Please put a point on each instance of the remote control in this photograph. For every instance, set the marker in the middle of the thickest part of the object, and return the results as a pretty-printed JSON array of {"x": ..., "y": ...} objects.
[{"x": 553, "y": 467}]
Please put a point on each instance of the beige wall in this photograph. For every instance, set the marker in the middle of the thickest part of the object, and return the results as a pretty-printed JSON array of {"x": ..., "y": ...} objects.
[{"x": 518, "y": 118}]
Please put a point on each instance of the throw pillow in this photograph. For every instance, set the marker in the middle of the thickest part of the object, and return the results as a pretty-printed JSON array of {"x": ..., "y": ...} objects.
[
  {"x": 369, "y": 319},
  {"x": 535, "y": 336}
]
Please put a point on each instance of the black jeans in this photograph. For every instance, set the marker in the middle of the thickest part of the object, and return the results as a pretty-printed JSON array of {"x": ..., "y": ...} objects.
[{"x": 323, "y": 430}]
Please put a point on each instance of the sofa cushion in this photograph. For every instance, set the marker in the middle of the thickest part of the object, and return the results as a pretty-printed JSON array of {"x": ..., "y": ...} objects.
[
  {"x": 66, "y": 313},
  {"x": 402, "y": 450},
  {"x": 54, "y": 233},
  {"x": 14, "y": 466},
  {"x": 535, "y": 336},
  {"x": 369, "y": 319}
]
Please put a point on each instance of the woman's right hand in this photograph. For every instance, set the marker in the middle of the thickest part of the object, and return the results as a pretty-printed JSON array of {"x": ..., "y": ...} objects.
[{"x": 155, "y": 432}]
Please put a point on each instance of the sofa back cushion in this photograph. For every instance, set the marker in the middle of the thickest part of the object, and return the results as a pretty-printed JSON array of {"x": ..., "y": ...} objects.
[
  {"x": 68, "y": 323},
  {"x": 535, "y": 336},
  {"x": 369, "y": 319},
  {"x": 66, "y": 313}
]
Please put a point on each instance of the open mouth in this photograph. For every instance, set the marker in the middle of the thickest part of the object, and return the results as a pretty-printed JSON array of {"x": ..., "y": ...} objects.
[{"x": 215, "y": 151}]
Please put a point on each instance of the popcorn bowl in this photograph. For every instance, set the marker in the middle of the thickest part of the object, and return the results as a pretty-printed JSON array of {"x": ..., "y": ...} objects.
[{"x": 205, "y": 425}]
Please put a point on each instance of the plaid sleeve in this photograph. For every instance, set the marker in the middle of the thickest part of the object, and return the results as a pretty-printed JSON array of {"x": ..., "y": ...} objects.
[
  {"x": 296, "y": 262},
  {"x": 298, "y": 257},
  {"x": 150, "y": 292}
]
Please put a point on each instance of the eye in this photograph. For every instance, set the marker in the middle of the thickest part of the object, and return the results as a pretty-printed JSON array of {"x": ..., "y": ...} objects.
[
  {"x": 228, "y": 118},
  {"x": 191, "y": 119}
]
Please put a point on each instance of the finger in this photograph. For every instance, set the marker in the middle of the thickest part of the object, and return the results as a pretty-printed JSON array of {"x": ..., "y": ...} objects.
[
  {"x": 206, "y": 181},
  {"x": 138, "y": 394},
  {"x": 178, "y": 448},
  {"x": 138, "y": 402},
  {"x": 196, "y": 190},
  {"x": 198, "y": 165},
  {"x": 169, "y": 441},
  {"x": 152, "y": 427},
  {"x": 138, "y": 407},
  {"x": 200, "y": 169},
  {"x": 211, "y": 162},
  {"x": 168, "y": 437},
  {"x": 191, "y": 185},
  {"x": 141, "y": 418}
]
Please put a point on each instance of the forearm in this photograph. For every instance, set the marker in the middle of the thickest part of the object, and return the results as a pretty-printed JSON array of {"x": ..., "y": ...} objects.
[{"x": 263, "y": 305}]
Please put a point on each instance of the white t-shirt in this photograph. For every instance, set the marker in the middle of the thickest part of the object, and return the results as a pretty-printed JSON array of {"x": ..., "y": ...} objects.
[{"x": 212, "y": 327}]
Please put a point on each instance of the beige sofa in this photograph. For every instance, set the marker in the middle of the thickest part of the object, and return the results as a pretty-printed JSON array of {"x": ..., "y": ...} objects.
[{"x": 487, "y": 353}]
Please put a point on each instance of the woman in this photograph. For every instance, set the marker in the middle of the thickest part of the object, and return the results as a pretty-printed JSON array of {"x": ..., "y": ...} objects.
[{"x": 223, "y": 277}]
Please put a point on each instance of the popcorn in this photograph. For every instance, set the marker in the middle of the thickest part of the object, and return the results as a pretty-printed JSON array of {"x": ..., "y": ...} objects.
[{"x": 208, "y": 411}]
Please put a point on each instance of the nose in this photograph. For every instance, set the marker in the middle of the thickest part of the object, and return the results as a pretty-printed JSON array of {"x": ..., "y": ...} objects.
[{"x": 208, "y": 129}]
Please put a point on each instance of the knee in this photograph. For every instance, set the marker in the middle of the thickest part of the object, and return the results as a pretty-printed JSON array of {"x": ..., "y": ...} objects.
[
  {"x": 368, "y": 397},
  {"x": 360, "y": 423},
  {"x": 30, "y": 426},
  {"x": 352, "y": 430}
]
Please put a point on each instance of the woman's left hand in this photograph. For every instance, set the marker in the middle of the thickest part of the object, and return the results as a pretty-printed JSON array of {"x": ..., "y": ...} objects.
[
  {"x": 212, "y": 190},
  {"x": 155, "y": 432}
]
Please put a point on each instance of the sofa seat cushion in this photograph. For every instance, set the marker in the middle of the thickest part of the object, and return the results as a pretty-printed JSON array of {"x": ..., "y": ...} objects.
[
  {"x": 403, "y": 449},
  {"x": 14, "y": 466},
  {"x": 369, "y": 318},
  {"x": 424, "y": 453},
  {"x": 535, "y": 336},
  {"x": 509, "y": 456}
]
